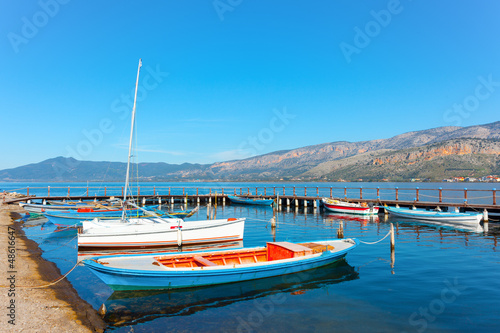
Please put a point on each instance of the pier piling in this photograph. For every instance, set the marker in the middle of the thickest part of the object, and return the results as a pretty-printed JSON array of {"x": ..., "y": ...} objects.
[{"x": 340, "y": 230}]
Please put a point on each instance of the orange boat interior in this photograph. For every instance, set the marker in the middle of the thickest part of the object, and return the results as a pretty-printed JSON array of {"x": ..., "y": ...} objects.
[{"x": 273, "y": 251}]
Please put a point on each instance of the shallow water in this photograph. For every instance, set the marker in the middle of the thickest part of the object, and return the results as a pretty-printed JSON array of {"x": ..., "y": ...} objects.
[{"x": 442, "y": 280}]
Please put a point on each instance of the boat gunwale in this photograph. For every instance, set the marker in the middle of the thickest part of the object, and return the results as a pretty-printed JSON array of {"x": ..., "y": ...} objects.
[
  {"x": 166, "y": 224},
  {"x": 220, "y": 270},
  {"x": 61, "y": 214}
]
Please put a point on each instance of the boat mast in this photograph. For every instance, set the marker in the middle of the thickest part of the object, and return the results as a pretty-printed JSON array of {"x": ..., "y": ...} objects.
[{"x": 130, "y": 142}]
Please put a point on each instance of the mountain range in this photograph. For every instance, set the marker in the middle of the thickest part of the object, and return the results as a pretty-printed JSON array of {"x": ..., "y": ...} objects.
[{"x": 431, "y": 154}]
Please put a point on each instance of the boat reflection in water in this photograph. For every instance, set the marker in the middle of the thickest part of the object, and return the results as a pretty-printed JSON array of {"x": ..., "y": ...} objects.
[
  {"x": 363, "y": 219},
  {"x": 434, "y": 224},
  {"x": 132, "y": 307}
]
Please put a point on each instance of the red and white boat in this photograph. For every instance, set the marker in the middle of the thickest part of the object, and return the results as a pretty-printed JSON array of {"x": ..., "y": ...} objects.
[{"x": 349, "y": 207}]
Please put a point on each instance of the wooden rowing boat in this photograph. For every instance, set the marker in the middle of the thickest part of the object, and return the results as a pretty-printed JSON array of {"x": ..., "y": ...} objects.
[
  {"x": 349, "y": 207},
  {"x": 41, "y": 208},
  {"x": 76, "y": 217},
  {"x": 58, "y": 206},
  {"x": 185, "y": 270},
  {"x": 158, "y": 232},
  {"x": 250, "y": 201},
  {"x": 453, "y": 218}
]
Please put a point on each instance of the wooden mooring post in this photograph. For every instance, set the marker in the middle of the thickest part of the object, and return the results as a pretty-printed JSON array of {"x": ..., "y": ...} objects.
[{"x": 340, "y": 230}]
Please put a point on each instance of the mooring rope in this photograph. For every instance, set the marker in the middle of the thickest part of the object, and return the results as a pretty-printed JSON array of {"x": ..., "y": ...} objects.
[
  {"x": 371, "y": 243},
  {"x": 46, "y": 285},
  {"x": 479, "y": 212}
]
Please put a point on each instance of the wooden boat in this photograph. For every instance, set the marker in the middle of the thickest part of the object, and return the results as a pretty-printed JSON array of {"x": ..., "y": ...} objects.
[
  {"x": 157, "y": 232},
  {"x": 58, "y": 206},
  {"x": 458, "y": 219},
  {"x": 349, "y": 207},
  {"x": 154, "y": 231},
  {"x": 250, "y": 201},
  {"x": 193, "y": 269},
  {"x": 74, "y": 218},
  {"x": 42, "y": 208},
  {"x": 181, "y": 214},
  {"x": 112, "y": 202}
]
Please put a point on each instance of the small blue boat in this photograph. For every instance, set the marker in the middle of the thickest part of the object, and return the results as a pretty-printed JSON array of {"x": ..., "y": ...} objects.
[
  {"x": 450, "y": 218},
  {"x": 192, "y": 269},
  {"x": 250, "y": 201},
  {"x": 41, "y": 208}
]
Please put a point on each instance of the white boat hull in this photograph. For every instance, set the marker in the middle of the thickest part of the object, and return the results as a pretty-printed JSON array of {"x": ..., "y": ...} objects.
[
  {"x": 158, "y": 232},
  {"x": 348, "y": 207}
]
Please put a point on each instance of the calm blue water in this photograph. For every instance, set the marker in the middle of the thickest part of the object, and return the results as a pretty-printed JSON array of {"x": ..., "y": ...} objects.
[{"x": 443, "y": 280}]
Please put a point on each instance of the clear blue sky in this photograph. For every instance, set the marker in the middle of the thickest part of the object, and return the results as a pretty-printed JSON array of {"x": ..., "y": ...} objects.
[{"x": 244, "y": 77}]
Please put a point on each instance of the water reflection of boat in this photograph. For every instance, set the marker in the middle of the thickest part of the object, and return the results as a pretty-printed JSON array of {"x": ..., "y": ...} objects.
[
  {"x": 435, "y": 224},
  {"x": 352, "y": 217},
  {"x": 132, "y": 307},
  {"x": 57, "y": 236},
  {"x": 29, "y": 221}
]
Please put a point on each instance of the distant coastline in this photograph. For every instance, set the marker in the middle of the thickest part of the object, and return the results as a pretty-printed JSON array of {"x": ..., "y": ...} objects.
[{"x": 443, "y": 153}]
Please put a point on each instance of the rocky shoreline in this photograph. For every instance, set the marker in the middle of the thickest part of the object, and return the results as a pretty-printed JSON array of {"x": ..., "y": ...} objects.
[{"x": 57, "y": 308}]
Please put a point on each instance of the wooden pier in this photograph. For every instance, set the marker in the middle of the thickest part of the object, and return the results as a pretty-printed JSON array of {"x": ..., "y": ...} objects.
[{"x": 291, "y": 196}]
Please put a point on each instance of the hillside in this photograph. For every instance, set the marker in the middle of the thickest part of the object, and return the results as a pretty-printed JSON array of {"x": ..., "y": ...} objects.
[
  {"x": 429, "y": 154},
  {"x": 70, "y": 169},
  {"x": 295, "y": 162},
  {"x": 451, "y": 158}
]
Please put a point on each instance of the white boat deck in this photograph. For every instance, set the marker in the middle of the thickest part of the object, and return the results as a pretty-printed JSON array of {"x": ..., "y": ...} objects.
[{"x": 142, "y": 263}]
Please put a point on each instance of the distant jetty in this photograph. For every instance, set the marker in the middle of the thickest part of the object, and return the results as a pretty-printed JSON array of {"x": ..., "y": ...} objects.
[{"x": 284, "y": 196}]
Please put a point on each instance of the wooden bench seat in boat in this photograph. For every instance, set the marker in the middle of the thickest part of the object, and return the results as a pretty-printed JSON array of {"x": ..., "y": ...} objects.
[
  {"x": 273, "y": 251},
  {"x": 240, "y": 257},
  {"x": 317, "y": 248},
  {"x": 285, "y": 250},
  {"x": 204, "y": 262}
]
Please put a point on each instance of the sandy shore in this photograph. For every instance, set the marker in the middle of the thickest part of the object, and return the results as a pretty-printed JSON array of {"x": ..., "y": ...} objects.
[{"x": 57, "y": 308}]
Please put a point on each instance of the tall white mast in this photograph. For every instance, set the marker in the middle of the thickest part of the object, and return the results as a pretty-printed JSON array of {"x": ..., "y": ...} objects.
[{"x": 131, "y": 135}]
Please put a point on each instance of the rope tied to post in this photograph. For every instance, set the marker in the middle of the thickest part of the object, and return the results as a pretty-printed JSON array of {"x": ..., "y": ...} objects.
[{"x": 371, "y": 243}]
